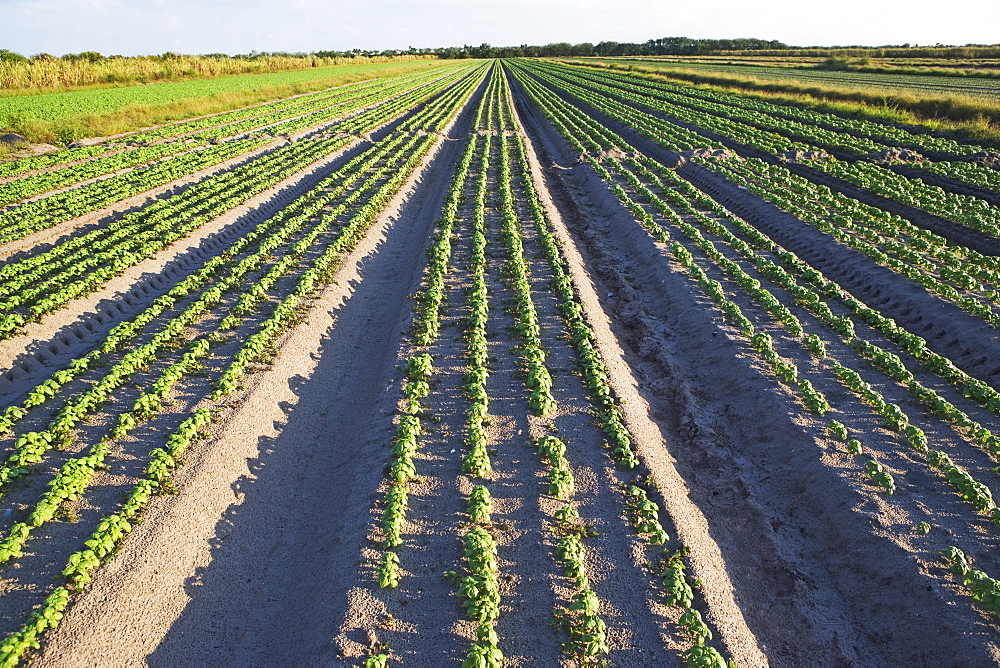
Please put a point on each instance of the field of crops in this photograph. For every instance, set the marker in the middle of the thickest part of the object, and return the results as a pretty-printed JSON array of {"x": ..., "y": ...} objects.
[
  {"x": 888, "y": 82},
  {"x": 502, "y": 363}
]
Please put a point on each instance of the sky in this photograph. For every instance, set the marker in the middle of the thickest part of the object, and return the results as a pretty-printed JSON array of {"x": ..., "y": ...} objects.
[{"x": 138, "y": 27}]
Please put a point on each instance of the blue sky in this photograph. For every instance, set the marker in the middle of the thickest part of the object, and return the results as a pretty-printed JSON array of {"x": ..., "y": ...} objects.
[{"x": 132, "y": 27}]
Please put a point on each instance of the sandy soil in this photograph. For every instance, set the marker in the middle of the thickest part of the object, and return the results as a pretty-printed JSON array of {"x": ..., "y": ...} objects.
[
  {"x": 641, "y": 629},
  {"x": 689, "y": 522}
]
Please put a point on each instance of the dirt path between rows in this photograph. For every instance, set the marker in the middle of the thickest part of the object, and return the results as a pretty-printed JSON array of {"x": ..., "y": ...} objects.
[
  {"x": 12, "y": 250},
  {"x": 970, "y": 342},
  {"x": 690, "y": 522}
]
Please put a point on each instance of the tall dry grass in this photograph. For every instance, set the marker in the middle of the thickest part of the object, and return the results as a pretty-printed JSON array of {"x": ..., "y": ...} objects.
[{"x": 41, "y": 75}]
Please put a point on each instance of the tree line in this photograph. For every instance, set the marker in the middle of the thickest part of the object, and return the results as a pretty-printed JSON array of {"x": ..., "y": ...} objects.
[
  {"x": 654, "y": 47},
  {"x": 664, "y": 46}
]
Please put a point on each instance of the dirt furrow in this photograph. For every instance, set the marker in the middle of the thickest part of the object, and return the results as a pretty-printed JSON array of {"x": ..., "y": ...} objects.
[
  {"x": 424, "y": 605},
  {"x": 956, "y": 233},
  {"x": 639, "y": 625},
  {"x": 945, "y": 183},
  {"x": 15, "y": 250},
  {"x": 518, "y": 484},
  {"x": 653, "y": 420}
]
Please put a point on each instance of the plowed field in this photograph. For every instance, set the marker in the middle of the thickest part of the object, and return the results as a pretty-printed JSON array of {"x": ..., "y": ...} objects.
[{"x": 504, "y": 363}]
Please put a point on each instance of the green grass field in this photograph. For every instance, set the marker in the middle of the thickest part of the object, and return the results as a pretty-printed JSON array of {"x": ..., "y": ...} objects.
[{"x": 60, "y": 117}]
